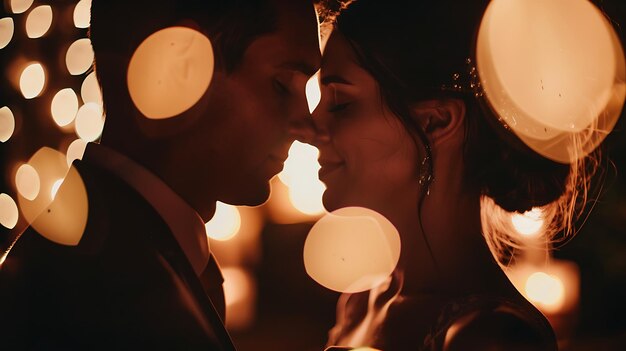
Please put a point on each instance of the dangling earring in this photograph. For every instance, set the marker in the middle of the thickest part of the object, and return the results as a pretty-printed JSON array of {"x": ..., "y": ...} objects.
[{"x": 425, "y": 172}]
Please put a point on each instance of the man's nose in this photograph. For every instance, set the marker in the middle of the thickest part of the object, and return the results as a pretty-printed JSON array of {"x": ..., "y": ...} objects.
[{"x": 303, "y": 130}]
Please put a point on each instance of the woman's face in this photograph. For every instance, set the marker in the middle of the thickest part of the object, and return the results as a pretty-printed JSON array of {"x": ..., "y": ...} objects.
[{"x": 368, "y": 157}]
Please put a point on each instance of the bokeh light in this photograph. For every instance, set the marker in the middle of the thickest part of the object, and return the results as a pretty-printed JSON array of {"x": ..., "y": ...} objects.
[
  {"x": 20, "y": 6},
  {"x": 32, "y": 80},
  {"x": 90, "y": 89},
  {"x": 79, "y": 57},
  {"x": 529, "y": 223},
  {"x": 561, "y": 100},
  {"x": 60, "y": 218},
  {"x": 313, "y": 92},
  {"x": 6, "y": 31},
  {"x": 75, "y": 151},
  {"x": 27, "y": 181},
  {"x": 352, "y": 249},
  {"x": 7, "y": 124},
  {"x": 240, "y": 297},
  {"x": 82, "y": 14},
  {"x": 39, "y": 21},
  {"x": 545, "y": 290},
  {"x": 170, "y": 71},
  {"x": 89, "y": 122},
  {"x": 8, "y": 211},
  {"x": 300, "y": 175},
  {"x": 225, "y": 222},
  {"x": 64, "y": 107}
]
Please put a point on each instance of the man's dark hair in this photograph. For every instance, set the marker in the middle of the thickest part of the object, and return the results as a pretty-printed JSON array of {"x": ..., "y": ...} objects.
[{"x": 119, "y": 26}]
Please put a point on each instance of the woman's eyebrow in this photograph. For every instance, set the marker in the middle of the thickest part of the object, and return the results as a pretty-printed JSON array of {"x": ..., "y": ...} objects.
[{"x": 334, "y": 79}]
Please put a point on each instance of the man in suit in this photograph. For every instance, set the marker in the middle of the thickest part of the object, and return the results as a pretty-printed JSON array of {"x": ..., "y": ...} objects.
[{"x": 140, "y": 275}]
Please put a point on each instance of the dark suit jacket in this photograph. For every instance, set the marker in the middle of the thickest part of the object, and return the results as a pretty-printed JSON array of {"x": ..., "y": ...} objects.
[{"x": 127, "y": 284}]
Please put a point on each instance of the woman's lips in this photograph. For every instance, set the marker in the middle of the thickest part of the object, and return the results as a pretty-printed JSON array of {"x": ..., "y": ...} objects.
[{"x": 328, "y": 167}]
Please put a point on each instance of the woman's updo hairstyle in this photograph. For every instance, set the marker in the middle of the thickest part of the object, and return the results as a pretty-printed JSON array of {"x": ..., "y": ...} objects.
[{"x": 418, "y": 50}]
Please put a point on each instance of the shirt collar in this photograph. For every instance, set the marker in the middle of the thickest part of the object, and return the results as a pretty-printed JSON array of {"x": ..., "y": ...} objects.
[{"x": 184, "y": 222}]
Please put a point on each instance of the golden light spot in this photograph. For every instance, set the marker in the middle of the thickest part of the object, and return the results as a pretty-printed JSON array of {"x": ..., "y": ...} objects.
[
  {"x": 170, "y": 71},
  {"x": 352, "y": 249},
  {"x": 90, "y": 89},
  {"x": 545, "y": 290},
  {"x": 6, "y": 31},
  {"x": 89, "y": 122},
  {"x": 32, "y": 80},
  {"x": 27, "y": 181},
  {"x": 8, "y": 211},
  {"x": 7, "y": 123},
  {"x": 561, "y": 100},
  {"x": 313, "y": 92},
  {"x": 75, "y": 151},
  {"x": 300, "y": 175},
  {"x": 82, "y": 14},
  {"x": 240, "y": 296},
  {"x": 62, "y": 219},
  {"x": 39, "y": 21},
  {"x": 79, "y": 57},
  {"x": 64, "y": 107},
  {"x": 225, "y": 222},
  {"x": 55, "y": 188},
  {"x": 529, "y": 223},
  {"x": 20, "y": 6}
]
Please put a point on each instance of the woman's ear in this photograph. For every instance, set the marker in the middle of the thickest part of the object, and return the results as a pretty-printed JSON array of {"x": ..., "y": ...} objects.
[{"x": 440, "y": 119}]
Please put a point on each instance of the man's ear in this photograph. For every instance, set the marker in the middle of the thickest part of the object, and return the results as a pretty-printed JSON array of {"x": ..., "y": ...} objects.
[{"x": 440, "y": 119}]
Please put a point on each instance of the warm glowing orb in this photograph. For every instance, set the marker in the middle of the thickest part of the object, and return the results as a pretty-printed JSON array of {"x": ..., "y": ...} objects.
[
  {"x": 32, "y": 80},
  {"x": 352, "y": 249},
  {"x": 62, "y": 216},
  {"x": 75, "y": 151},
  {"x": 529, "y": 223},
  {"x": 8, "y": 211},
  {"x": 64, "y": 107},
  {"x": 313, "y": 92},
  {"x": 225, "y": 222},
  {"x": 6, "y": 31},
  {"x": 545, "y": 290},
  {"x": 300, "y": 175},
  {"x": 82, "y": 14},
  {"x": 240, "y": 296},
  {"x": 7, "y": 124},
  {"x": 561, "y": 99},
  {"x": 39, "y": 21},
  {"x": 90, "y": 89},
  {"x": 89, "y": 122},
  {"x": 79, "y": 57},
  {"x": 20, "y": 6},
  {"x": 170, "y": 71},
  {"x": 27, "y": 181}
]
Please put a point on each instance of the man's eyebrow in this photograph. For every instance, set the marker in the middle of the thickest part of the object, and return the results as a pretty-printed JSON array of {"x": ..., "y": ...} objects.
[
  {"x": 334, "y": 79},
  {"x": 302, "y": 67}
]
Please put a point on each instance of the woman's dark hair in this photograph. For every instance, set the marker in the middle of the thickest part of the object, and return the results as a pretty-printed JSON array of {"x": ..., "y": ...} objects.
[{"x": 418, "y": 50}]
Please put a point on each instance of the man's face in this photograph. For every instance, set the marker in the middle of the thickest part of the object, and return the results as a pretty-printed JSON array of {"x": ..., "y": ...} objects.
[{"x": 254, "y": 112}]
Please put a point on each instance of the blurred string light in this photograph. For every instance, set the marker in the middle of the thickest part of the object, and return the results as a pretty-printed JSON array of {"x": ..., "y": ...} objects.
[
  {"x": 39, "y": 21},
  {"x": 529, "y": 223},
  {"x": 32, "y": 80},
  {"x": 82, "y": 14},
  {"x": 60, "y": 211},
  {"x": 300, "y": 176},
  {"x": 89, "y": 122},
  {"x": 90, "y": 89},
  {"x": 7, "y": 124},
  {"x": 20, "y": 6},
  {"x": 225, "y": 223},
  {"x": 6, "y": 31},
  {"x": 27, "y": 182},
  {"x": 352, "y": 249},
  {"x": 79, "y": 57},
  {"x": 8, "y": 211},
  {"x": 240, "y": 297},
  {"x": 170, "y": 71},
  {"x": 75, "y": 151},
  {"x": 64, "y": 107},
  {"x": 546, "y": 290},
  {"x": 313, "y": 92}
]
